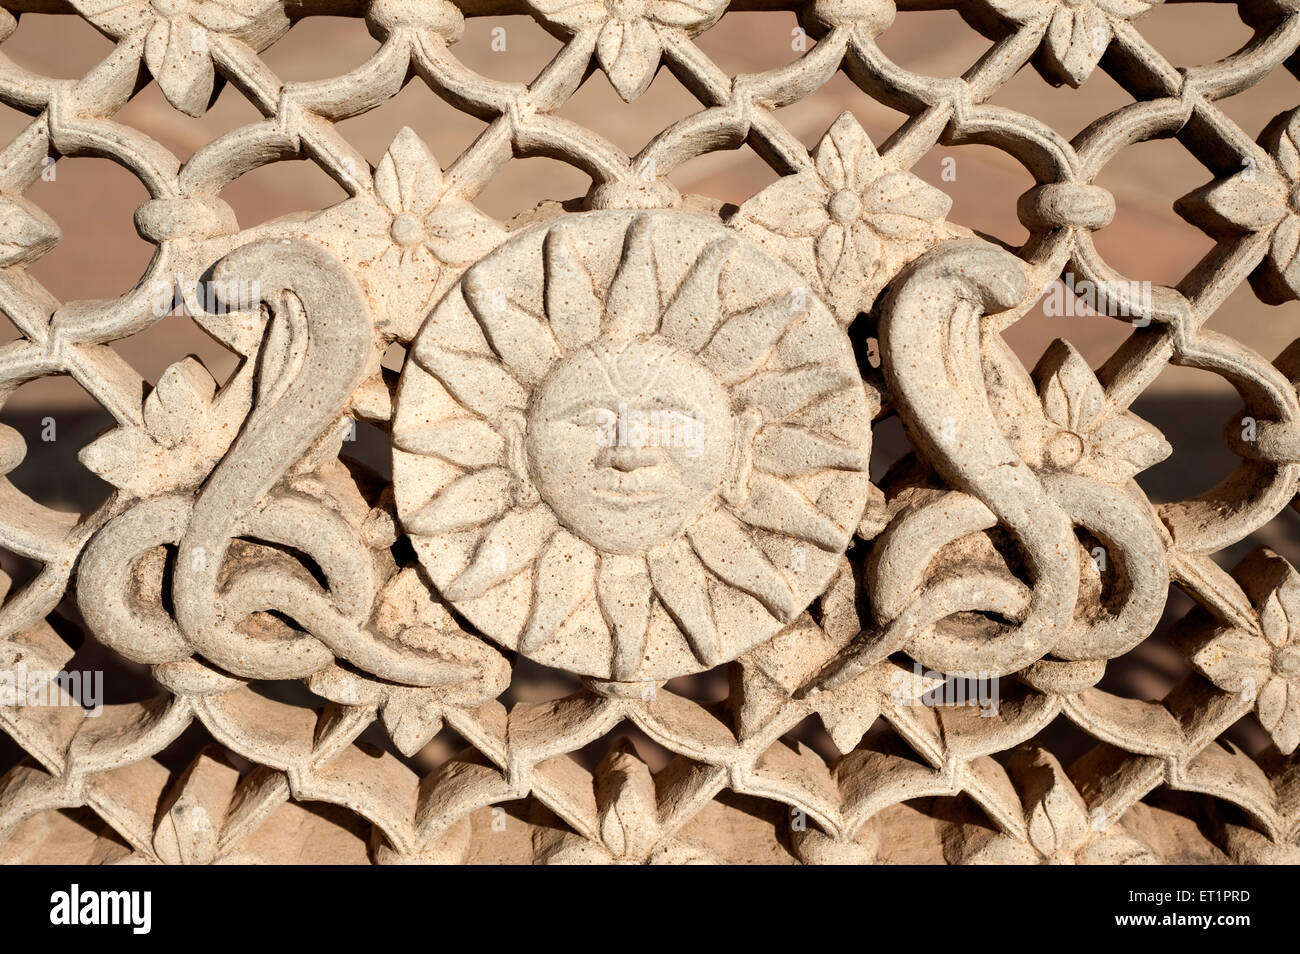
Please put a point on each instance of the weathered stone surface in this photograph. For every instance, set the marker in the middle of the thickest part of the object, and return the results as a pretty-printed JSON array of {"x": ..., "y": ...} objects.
[
  {"x": 631, "y": 445},
  {"x": 630, "y": 438}
]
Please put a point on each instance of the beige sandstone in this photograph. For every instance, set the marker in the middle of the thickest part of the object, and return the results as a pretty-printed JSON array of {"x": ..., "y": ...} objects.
[{"x": 631, "y": 440}]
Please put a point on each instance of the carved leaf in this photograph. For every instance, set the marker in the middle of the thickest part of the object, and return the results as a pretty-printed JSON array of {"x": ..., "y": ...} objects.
[
  {"x": 1121, "y": 446},
  {"x": 116, "y": 17},
  {"x": 625, "y": 794},
  {"x": 1076, "y": 39},
  {"x": 176, "y": 52},
  {"x": 1283, "y": 252},
  {"x": 26, "y": 233},
  {"x": 629, "y": 52},
  {"x": 412, "y": 719}
]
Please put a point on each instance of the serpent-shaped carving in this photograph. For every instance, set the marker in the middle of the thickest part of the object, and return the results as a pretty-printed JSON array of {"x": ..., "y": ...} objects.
[
  {"x": 316, "y": 346},
  {"x": 931, "y": 356}
]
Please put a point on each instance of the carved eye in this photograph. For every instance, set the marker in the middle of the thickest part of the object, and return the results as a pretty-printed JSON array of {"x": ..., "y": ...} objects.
[
  {"x": 669, "y": 405},
  {"x": 598, "y": 417}
]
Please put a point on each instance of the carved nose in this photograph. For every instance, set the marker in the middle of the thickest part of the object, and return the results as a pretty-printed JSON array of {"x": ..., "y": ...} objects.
[{"x": 626, "y": 458}]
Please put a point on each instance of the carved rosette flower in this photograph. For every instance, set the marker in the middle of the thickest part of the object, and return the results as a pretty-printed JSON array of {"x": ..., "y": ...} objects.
[
  {"x": 1084, "y": 433},
  {"x": 407, "y": 242},
  {"x": 1263, "y": 664},
  {"x": 1076, "y": 32},
  {"x": 851, "y": 222},
  {"x": 185, "y": 430},
  {"x": 178, "y": 35},
  {"x": 629, "y": 44},
  {"x": 1261, "y": 200},
  {"x": 1060, "y": 830}
]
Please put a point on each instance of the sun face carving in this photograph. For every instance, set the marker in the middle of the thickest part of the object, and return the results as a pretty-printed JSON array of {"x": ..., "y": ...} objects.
[
  {"x": 631, "y": 445},
  {"x": 628, "y": 441}
]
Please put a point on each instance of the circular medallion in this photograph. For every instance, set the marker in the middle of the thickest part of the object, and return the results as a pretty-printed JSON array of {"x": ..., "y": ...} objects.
[{"x": 630, "y": 445}]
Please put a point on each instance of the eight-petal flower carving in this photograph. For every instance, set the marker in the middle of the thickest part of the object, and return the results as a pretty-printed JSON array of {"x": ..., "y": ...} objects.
[
  {"x": 179, "y": 34},
  {"x": 1264, "y": 664},
  {"x": 406, "y": 243},
  {"x": 1261, "y": 200},
  {"x": 1084, "y": 433},
  {"x": 629, "y": 45},
  {"x": 187, "y": 426},
  {"x": 852, "y": 221},
  {"x": 1076, "y": 32}
]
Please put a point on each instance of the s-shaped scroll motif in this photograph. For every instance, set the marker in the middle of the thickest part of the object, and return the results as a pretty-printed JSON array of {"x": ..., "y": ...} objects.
[
  {"x": 939, "y": 585},
  {"x": 277, "y": 569}
]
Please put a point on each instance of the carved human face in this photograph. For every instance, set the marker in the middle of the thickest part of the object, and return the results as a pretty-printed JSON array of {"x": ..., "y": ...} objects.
[{"x": 628, "y": 442}]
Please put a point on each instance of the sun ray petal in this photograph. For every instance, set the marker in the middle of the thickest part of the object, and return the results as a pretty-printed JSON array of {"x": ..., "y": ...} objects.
[
  {"x": 632, "y": 305},
  {"x": 566, "y": 573},
  {"x": 742, "y": 344},
  {"x": 451, "y": 323},
  {"x": 779, "y": 394},
  {"x": 690, "y": 319},
  {"x": 572, "y": 306},
  {"x": 623, "y": 590},
  {"x": 787, "y": 451},
  {"x": 465, "y": 441},
  {"x": 510, "y": 545},
  {"x": 682, "y": 585},
  {"x": 468, "y": 501},
  {"x": 476, "y": 382},
  {"x": 775, "y": 505},
  {"x": 522, "y": 341},
  {"x": 728, "y": 551}
]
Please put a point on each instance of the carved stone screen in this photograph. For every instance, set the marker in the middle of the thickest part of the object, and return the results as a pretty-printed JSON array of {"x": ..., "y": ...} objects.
[{"x": 649, "y": 431}]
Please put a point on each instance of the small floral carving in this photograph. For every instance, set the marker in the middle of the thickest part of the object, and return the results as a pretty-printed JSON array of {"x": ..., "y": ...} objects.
[
  {"x": 186, "y": 429},
  {"x": 1060, "y": 829},
  {"x": 408, "y": 240},
  {"x": 631, "y": 830},
  {"x": 852, "y": 221},
  {"x": 1261, "y": 200},
  {"x": 1085, "y": 434},
  {"x": 1263, "y": 665},
  {"x": 1076, "y": 32},
  {"x": 179, "y": 35},
  {"x": 848, "y": 711},
  {"x": 629, "y": 45},
  {"x": 470, "y": 672}
]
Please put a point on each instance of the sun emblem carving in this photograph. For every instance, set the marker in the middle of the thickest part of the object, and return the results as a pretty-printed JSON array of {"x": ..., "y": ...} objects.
[{"x": 631, "y": 445}]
